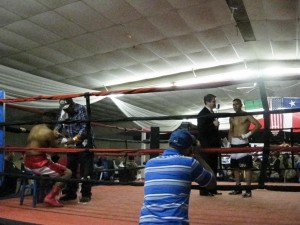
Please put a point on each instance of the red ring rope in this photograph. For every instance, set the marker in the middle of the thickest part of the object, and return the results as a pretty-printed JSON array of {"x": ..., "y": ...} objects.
[{"x": 151, "y": 151}]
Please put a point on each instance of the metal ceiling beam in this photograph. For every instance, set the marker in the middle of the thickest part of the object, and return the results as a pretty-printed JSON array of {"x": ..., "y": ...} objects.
[{"x": 241, "y": 18}]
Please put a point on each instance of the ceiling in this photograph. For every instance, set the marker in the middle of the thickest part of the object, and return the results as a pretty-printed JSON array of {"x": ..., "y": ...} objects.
[{"x": 125, "y": 44}]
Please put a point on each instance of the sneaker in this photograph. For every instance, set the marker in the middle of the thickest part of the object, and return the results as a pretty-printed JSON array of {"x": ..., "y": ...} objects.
[
  {"x": 235, "y": 192},
  {"x": 247, "y": 194},
  {"x": 216, "y": 193},
  {"x": 53, "y": 202},
  {"x": 206, "y": 193},
  {"x": 68, "y": 197},
  {"x": 85, "y": 199}
]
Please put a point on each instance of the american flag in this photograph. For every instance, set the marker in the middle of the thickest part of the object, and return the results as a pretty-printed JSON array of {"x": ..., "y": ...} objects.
[{"x": 276, "y": 120}]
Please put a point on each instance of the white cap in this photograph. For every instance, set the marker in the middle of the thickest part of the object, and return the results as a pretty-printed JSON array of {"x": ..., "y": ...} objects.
[
  {"x": 66, "y": 106},
  {"x": 65, "y": 103}
]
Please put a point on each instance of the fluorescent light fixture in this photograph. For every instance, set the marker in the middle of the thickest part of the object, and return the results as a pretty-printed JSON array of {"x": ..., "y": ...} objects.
[
  {"x": 238, "y": 75},
  {"x": 235, "y": 75},
  {"x": 229, "y": 76},
  {"x": 280, "y": 71},
  {"x": 247, "y": 87}
]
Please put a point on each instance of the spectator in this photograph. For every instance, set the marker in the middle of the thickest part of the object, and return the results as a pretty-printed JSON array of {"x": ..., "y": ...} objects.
[
  {"x": 9, "y": 185},
  {"x": 297, "y": 166},
  {"x": 168, "y": 182},
  {"x": 275, "y": 164},
  {"x": 105, "y": 167},
  {"x": 289, "y": 173},
  {"x": 256, "y": 166}
]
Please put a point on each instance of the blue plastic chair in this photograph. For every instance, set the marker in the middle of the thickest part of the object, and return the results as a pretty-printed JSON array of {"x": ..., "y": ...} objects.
[{"x": 33, "y": 187}]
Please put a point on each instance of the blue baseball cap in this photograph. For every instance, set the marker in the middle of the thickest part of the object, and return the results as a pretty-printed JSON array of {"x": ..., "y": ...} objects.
[{"x": 181, "y": 139}]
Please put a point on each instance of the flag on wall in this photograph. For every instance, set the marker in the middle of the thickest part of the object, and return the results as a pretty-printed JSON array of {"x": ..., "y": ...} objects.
[
  {"x": 291, "y": 103},
  {"x": 291, "y": 120},
  {"x": 253, "y": 104},
  {"x": 276, "y": 120}
]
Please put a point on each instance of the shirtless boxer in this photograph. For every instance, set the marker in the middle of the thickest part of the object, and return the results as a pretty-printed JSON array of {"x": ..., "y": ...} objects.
[
  {"x": 238, "y": 137},
  {"x": 42, "y": 136}
]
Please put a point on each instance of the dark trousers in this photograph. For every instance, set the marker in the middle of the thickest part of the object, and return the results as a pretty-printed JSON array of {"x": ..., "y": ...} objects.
[
  {"x": 212, "y": 160},
  {"x": 85, "y": 160}
]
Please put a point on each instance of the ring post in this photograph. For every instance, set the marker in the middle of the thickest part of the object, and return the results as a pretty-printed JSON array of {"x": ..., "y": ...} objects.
[
  {"x": 154, "y": 140},
  {"x": 2, "y": 119},
  {"x": 90, "y": 143}
]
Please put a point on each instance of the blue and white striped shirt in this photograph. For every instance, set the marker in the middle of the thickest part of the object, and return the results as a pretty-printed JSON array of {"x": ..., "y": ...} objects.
[{"x": 167, "y": 187}]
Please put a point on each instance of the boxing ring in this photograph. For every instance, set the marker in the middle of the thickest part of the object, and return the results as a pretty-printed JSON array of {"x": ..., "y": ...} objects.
[{"x": 120, "y": 202}]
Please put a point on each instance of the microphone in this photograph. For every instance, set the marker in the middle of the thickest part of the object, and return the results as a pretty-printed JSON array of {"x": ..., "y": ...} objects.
[
  {"x": 217, "y": 108},
  {"x": 216, "y": 119}
]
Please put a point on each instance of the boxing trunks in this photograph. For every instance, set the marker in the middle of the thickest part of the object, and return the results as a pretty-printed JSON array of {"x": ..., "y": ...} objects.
[
  {"x": 240, "y": 160},
  {"x": 40, "y": 164}
]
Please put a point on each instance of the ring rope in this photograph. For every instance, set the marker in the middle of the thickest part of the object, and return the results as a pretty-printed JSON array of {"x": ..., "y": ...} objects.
[
  {"x": 289, "y": 188},
  {"x": 151, "y": 151},
  {"x": 177, "y": 117},
  {"x": 95, "y": 124},
  {"x": 135, "y": 91},
  {"x": 105, "y": 93},
  {"x": 135, "y": 151}
]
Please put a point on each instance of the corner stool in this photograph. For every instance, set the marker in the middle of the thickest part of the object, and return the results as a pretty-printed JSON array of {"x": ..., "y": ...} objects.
[{"x": 33, "y": 187}]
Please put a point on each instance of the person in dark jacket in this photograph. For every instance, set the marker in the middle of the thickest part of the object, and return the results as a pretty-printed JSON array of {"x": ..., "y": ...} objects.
[
  {"x": 9, "y": 183},
  {"x": 208, "y": 135}
]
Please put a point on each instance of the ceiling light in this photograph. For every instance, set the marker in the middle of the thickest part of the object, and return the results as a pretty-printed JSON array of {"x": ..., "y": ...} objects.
[
  {"x": 246, "y": 87},
  {"x": 280, "y": 71},
  {"x": 235, "y": 75}
]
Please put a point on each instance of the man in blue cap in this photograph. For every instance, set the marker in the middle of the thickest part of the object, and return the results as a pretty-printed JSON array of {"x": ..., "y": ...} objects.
[{"x": 168, "y": 179}]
